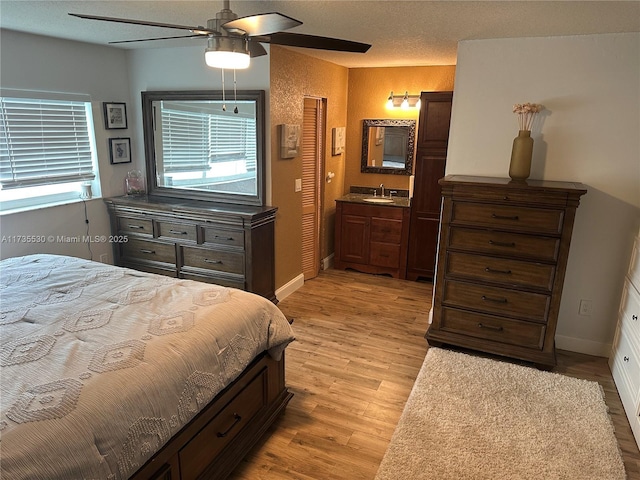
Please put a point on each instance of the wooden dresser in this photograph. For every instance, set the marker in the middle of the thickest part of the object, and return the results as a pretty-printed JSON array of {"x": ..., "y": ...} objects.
[
  {"x": 625, "y": 355},
  {"x": 231, "y": 245},
  {"x": 501, "y": 263}
]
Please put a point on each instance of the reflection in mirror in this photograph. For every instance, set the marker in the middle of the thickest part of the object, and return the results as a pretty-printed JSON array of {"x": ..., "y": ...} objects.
[
  {"x": 387, "y": 146},
  {"x": 199, "y": 146}
]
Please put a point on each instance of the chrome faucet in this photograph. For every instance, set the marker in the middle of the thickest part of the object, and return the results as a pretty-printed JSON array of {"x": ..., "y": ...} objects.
[{"x": 382, "y": 189}]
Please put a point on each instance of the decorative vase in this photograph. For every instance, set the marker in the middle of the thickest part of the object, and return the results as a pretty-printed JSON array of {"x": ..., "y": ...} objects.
[{"x": 521, "y": 153}]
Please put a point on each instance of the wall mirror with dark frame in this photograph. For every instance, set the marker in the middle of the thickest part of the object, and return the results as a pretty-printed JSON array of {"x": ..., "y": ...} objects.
[
  {"x": 199, "y": 146},
  {"x": 387, "y": 146}
]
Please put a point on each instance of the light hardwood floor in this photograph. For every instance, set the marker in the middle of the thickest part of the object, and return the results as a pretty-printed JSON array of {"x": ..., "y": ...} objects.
[{"x": 359, "y": 346}]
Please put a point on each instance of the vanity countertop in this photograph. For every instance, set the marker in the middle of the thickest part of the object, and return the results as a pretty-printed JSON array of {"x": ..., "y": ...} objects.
[{"x": 394, "y": 201}]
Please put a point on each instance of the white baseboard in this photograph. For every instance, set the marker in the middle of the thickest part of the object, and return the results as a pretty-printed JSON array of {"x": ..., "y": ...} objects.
[
  {"x": 327, "y": 262},
  {"x": 289, "y": 287},
  {"x": 580, "y": 345}
]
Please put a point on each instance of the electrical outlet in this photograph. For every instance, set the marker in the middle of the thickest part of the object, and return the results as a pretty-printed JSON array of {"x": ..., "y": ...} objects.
[
  {"x": 586, "y": 308},
  {"x": 104, "y": 258}
]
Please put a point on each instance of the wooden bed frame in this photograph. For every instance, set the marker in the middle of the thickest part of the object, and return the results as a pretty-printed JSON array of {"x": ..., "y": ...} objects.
[{"x": 213, "y": 443}]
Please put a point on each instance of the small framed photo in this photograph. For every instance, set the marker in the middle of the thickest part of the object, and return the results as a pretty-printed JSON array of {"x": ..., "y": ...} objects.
[
  {"x": 115, "y": 115},
  {"x": 120, "y": 150},
  {"x": 289, "y": 140},
  {"x": 337, "y": 140}
]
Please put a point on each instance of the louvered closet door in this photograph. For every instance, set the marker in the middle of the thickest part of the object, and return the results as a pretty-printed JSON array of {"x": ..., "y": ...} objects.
[{"x": 312, "y": 154}]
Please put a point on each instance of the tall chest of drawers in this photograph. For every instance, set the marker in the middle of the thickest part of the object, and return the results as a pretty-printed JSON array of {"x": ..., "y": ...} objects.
[
  {"x": 625, "y": 355},
  {"x": 231, "y": 245},
  {"x": 502, "y": 255}
]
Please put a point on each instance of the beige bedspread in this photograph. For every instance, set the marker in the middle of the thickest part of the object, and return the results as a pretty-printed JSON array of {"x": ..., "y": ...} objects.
[{"x": 100, "y": 365}]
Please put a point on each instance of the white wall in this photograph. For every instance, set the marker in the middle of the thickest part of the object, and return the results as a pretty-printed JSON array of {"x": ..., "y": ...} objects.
[
  {"x": 590, "y": 86},
  {"x": 32, "y": 62},
  {"x": 183, "y": 68}
]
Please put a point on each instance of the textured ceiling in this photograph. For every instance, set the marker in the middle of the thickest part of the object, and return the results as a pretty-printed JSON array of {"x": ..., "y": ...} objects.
[{"x": 402, "y": 32}]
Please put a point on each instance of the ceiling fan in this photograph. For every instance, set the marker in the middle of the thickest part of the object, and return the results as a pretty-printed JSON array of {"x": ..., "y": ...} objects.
[{"x": 233, "y": 41}]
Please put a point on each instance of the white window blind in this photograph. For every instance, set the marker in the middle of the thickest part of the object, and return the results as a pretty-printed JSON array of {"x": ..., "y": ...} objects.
[
  {"x": 229, "y": 138},
  {"x": 44, "y": 142}
]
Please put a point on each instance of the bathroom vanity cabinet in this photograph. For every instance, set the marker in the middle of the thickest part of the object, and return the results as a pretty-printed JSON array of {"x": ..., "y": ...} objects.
[{"x": 372, "y": 238}]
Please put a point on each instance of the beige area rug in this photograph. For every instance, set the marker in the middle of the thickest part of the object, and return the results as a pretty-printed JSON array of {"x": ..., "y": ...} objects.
[{"x": 475, "y": 418}]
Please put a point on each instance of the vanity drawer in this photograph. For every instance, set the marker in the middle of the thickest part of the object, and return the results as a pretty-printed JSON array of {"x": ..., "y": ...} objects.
[
  {"x": 182, "y": 231},
  {"x": 223, "y": 428},
  {"x": 136, "y": 226},
  {"x": 504, "y": 244},
  {"x": 211, "y": 259},
  {"x": 223, "y": 236},
  {"x": 385, "y": 230},
  {"x": 496, "y": 300},
  {"x": 500, "y": 270},
  {"x": 384, "y": 255},
  {"x": 539, "y": 220},
  {"x": 497, "y": 329},
  {"x": 630, "y": 311},
  {"x": 138, "y": 249}
]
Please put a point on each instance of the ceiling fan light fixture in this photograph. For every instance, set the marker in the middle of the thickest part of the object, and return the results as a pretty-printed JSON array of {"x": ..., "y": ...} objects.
[{"x": 227, "y": 52}]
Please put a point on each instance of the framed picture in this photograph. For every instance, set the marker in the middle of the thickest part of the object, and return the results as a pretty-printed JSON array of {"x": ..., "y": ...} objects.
[
  {"x": 289, "y": 141},
  {"x": 337, "y": 141},
  {"x": 120, "y": 150},
  {"x": 379, "y": 135},
  {"x": 115, "y": 115}
]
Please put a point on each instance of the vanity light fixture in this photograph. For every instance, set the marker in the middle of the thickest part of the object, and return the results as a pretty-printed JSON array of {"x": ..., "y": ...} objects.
[{"x": 404, "y": 102}]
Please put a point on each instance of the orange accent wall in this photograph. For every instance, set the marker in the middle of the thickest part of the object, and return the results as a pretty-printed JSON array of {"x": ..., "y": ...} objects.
[{"x": 352, "y": 95}]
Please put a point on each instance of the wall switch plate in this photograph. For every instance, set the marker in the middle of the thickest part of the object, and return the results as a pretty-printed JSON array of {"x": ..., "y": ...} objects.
[
  {"x": 586, "y": 308},
  {"x": 298, "y": 187}
]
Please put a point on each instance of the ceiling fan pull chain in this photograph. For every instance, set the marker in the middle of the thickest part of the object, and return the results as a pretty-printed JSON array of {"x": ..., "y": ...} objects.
[
  {"x": 224, "y": 104},
  {"x": 235, "y": 92}
]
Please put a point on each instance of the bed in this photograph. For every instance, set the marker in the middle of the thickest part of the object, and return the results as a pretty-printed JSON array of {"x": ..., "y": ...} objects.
[{"x": 112, "y": 373}]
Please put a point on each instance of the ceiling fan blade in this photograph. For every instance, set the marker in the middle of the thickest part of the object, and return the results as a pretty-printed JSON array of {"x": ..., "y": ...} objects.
[
  {"x": 313, "y": 41},
  {"x": 261, "y": 24},
  {"x": 256, "y": 50},
  {"x": 199, "y": 30},
  {"x": 159, "y": 38}
]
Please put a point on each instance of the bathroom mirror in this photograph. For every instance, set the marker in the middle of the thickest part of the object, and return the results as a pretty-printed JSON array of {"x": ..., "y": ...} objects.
[
  {"x": 201, "y": 146},
  {"x": 387, "y": 146}
]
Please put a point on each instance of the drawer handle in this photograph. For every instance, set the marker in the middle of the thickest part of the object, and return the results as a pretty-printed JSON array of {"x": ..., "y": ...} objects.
[
  {"x": 626, "y": 359},
  {"x": 505, "y": 217},
  {"x": 490, "y": 327},
  {"x": 230, "y": 239},
  {"x": 237, "y": 419},
  {"x": 494, "y": 300},
  {"x": 177, "y": 232},
  {"x": 493, "y": 270},
  {"x": 502, "y": 244},
  {"x": 214, "y": 262},
  {"x": 634, "y": 318},
  {"x": 138, "y": 227},
  {"x": 150, "y": 252}
]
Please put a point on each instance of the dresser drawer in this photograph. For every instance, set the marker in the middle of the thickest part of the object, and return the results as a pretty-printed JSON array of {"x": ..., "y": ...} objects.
[
  {"x": 138, "y": 249},
  {"x": 212, "y": 259},
  {"x": 634, "y": 264},
  {"x": 482, "y": 194},
  {"x": 626, "y": 365},
  {"x": 223, "y": 428},
  {"x": 384, "y": 255},
  {"x": 504, "y": 244},
  {"x": 385, "y": 230},
  {"x": 500, "y": 270},
  {"x": 537, "y": 220},
  {"x": 233, "y": 281},
  {"x": 182, "y": 231},
  {"x": 136, "y": 226},
  {"x": 630, "y": 312},
  {"x": 497, "y": 329},
  {"x": 223, "y": 236},
  {"x": 499, "y": 301}
]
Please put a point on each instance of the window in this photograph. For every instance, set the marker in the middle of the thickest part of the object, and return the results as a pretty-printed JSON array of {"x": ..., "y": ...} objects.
[{"x": 47, "y": 149}]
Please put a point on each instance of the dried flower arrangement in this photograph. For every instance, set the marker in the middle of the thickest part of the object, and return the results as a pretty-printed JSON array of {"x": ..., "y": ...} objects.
[{"x": 526, "y": 114}]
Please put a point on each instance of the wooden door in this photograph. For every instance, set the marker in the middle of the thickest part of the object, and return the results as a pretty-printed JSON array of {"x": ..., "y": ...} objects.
[{"x": 312, "y": 162}]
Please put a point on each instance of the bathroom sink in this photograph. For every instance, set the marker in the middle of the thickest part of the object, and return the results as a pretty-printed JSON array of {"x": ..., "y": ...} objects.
[{"x": 378, "y": 200}]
